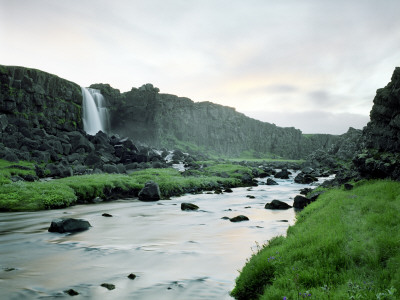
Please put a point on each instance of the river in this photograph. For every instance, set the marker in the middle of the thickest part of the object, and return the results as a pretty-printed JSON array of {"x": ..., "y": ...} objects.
[{"x": 174, "y": 254}]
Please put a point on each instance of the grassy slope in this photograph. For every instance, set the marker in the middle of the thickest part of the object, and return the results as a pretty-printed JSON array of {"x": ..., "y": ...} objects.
[
  {"x": 57, "y": 193},
  {"x": 346, "y": 245}
]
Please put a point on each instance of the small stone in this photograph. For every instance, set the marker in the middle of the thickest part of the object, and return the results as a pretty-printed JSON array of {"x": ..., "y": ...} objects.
[
  {"x": 71, "y": 292},
  {"x": 250, "y": 196},
  {"x": 68, "y": 225},
  {"x": 225, "y": 218},
  {"x": 239, "y": 218},
  {"x": 132, "y": 276},
  {"x": 9, "y": 269},
  {"x": 107, "y": 215},
  {"x": 108, "y": 286},
  {"x": 189, "y": 206},
  {"x": 271, "y": 182}
]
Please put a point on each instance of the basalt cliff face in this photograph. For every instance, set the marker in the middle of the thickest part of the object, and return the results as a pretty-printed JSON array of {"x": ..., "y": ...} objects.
[
  {"x": 36, "y": 99},
  {"x": 165, "y": 120},
  {"x": 380, "y": 154}
]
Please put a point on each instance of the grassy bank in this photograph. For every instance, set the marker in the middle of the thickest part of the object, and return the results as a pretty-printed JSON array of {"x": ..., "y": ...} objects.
[
  {"x": 346, "y": 245},
  {"x": 58, "y": 193}
]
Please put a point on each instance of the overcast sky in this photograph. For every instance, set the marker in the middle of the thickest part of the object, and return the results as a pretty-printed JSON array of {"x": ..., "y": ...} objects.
[{"x": 310, "y": 64}]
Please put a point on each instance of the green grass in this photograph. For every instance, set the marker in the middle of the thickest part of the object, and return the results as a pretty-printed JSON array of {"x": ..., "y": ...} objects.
[
  {"x": 8, "y": 169},
  {"x": 30, "y": 196},
  {"x": 57, "y": 193},
  {"x": 346, "y": 245}
]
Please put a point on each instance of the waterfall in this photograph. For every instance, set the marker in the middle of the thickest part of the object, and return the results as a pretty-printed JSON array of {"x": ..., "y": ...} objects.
[{"x": 95, "y": 113}]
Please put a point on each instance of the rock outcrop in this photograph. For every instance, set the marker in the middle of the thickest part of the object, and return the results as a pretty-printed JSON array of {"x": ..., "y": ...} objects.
[
  {"x": 35, "y": 99},
  {"x": 380, "y": 156}
]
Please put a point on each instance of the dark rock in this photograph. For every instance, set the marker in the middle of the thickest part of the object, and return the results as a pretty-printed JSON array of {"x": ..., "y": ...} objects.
[
  {"x": 225, "y": 218},
  {"x": 132, "y": 276},
  {"x": 304, "y": 178},
  {"x": 150, "y": 192},
  {"x": 283, "y": 174},
  {"x": 239, "y": 218},
  {"x": 300, "y": 202},
  {"x": 71, "y": 292},
  {"x": 9, "y": 155},
  {"x": 276, "y": 204},
  {"x": 250, "y": 197},
  {"x": 68, "y": 225},
  {"x": 228, "y": 190},
  {"x": 218, "y": 191},
  {"x": 348, "y": 186},
  {"x": 112, "y": 169},
  {"x": 271, "y": 182},
  {"x": 108, "y": 286},
  {"x": 79, "y": 141},
  {"x": 189, "y": 206},
  {"x": 305, "y": 191},
  {"x": 29, "y": 177},
  {"x": 59, "y": 170},
  {"x": 75, "y": 157},
  {"x": 314, "y": 195},
  {"x": 106, "y": 215}
]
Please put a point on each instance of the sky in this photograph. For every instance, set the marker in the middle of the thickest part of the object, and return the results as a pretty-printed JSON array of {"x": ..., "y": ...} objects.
[{"x": 310, "y": 64}]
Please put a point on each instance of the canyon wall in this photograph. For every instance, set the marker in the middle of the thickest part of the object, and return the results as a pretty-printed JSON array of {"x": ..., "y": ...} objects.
[
  {"x": 165, "y": 120},
  {"x": 36, "y": 99}
]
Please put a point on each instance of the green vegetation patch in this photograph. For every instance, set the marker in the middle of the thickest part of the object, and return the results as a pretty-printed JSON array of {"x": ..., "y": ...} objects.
[
  {"x": 30, "y": 196},
  {"x": 57, "y": 193},
  {"x": 172, "y": 183},
  {"x": 346, "y": 245},
  {"x": 8, "y": 169}
]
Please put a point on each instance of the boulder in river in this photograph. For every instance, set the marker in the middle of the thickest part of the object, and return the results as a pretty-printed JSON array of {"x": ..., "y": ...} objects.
[
  {"x": 150, "y": 192},
  {"x": 283, "y": 174},
  {"x": 189, "y": 206},
  {"x": 270, "y": 181},
  {"x": 132, "y": 276},
  {"x": 108, "y": 286},
  {"x": 71, "y": 292},
  {"x": 68, "y": 225},
  {"x": 300, "y": 202},
  {"x": 239, "y": 218},
  {"x": 276, "y": 204}
]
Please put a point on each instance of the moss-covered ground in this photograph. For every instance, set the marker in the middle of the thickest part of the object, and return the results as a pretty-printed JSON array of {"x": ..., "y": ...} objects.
[
  {"x": 57, "y": 193},
  {"x": 346, "y": 245}
]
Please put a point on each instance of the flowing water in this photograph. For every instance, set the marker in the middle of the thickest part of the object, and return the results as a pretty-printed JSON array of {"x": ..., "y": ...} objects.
[
  {"x": 175, "y": 254},
  {"x": 95, "y": 113}
]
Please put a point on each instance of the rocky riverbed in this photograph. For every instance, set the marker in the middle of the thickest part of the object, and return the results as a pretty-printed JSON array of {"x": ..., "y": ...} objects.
[{"x": 163, "y": 249}]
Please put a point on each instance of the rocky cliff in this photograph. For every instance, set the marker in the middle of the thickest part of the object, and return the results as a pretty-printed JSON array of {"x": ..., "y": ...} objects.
[
  {"x": 165, "y": 120},
  {"x": 36, "y": 99},
  {"x": 380, "y": 157}
]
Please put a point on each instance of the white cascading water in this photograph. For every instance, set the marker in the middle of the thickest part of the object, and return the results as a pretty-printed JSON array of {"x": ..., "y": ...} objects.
[{"x": 95, "y": 113}]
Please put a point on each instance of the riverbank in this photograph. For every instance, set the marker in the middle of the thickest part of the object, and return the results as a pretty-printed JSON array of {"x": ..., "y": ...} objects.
[
  {"x": 24, "y": 195},
  {"x": 346, "y": 245}
]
